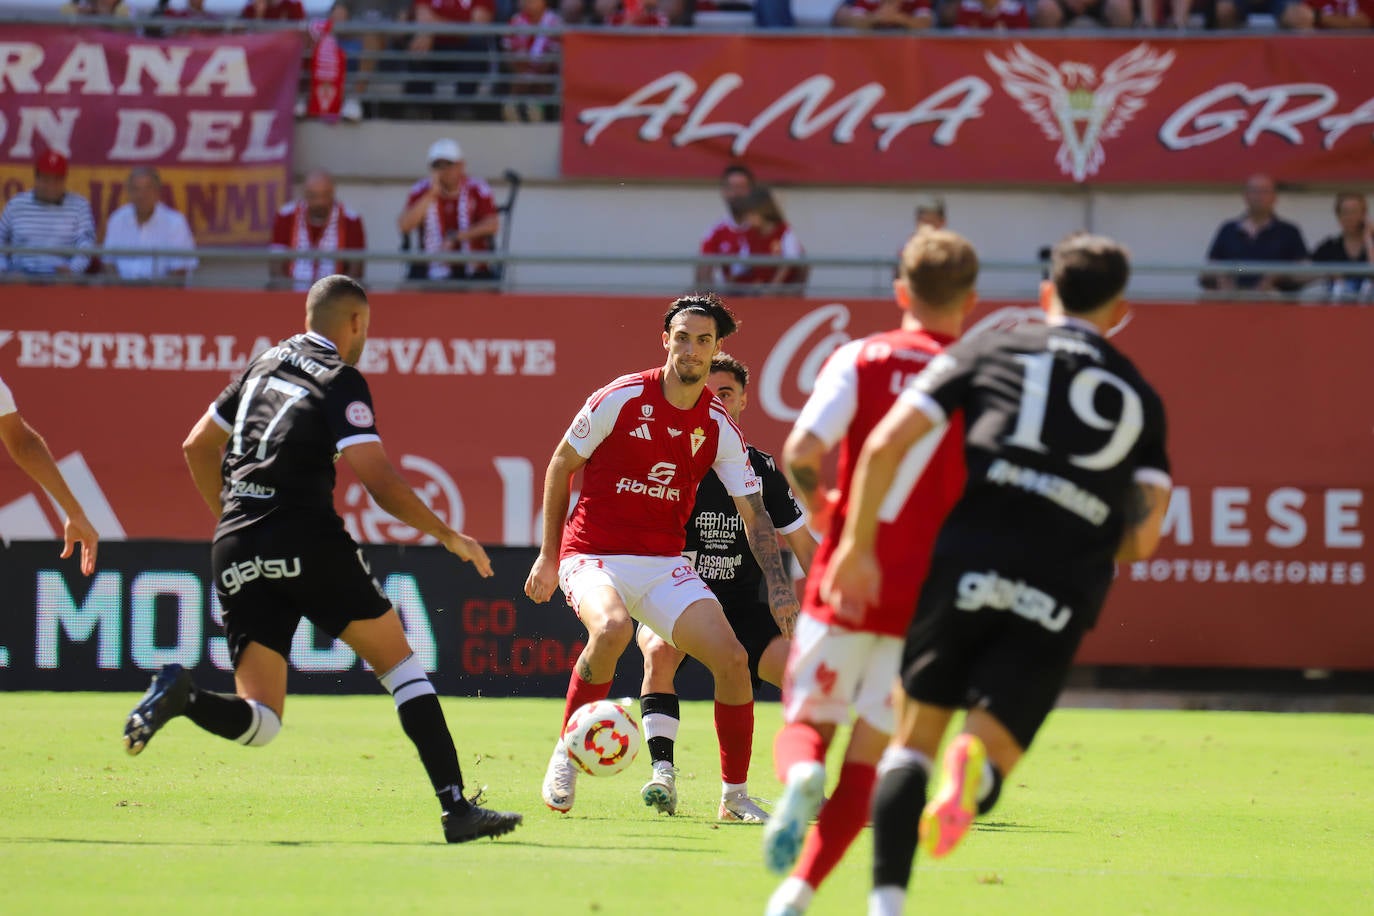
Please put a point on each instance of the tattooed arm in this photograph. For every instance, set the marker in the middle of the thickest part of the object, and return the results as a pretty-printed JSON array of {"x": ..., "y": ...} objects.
[
  {"x": 763, "y": 542},
  {"x": 801, "y": 462},
  {"x": 1145, "y": 508}
]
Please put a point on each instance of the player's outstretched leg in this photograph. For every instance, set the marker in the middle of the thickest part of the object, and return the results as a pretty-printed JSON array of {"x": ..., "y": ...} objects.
[
  {"x": 949, "y": 814},
  {"x": 165, "y": 699},
  {"x": 659, "y": 715}
]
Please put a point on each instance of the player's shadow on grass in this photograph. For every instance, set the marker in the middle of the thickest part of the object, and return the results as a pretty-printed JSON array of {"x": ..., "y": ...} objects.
[{"x": 1010, "y": 827}]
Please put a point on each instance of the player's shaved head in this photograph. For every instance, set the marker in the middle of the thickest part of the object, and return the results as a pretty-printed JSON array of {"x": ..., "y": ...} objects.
[
  {"x": 708, "y": 304},
  {"x": 940, "y": 267},
  {"x": 1089, "y": 272},
  {"x": 331, "y": 302}
]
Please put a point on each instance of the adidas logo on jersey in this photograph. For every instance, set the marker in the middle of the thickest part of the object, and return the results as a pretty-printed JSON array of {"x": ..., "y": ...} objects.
[{"x": 642, "y": 432}]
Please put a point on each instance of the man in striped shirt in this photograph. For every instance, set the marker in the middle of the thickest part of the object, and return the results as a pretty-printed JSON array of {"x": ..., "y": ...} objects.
[{"x": 47, "y": 217}]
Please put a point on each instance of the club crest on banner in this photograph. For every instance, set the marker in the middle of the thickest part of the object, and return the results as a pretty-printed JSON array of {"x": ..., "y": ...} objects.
[{"x": 1074, "y": 104}]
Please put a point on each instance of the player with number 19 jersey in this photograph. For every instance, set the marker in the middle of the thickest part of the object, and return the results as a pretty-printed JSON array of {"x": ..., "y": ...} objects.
[
  {"x": 645, "y": 458},
  {"x": 294, "y": 409}
]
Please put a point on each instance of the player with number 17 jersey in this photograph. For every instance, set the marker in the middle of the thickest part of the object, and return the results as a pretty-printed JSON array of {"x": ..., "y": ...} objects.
[{"x": 645, "y": 460}]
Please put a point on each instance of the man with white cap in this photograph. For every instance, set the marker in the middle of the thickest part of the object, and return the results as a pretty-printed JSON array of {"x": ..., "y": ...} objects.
[
  {"x": 452, "y": 212},
  {"x": 49, "y": 216}
]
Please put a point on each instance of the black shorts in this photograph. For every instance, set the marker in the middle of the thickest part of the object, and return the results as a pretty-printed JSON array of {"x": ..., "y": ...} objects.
[
  {"x": 755, "y": 628},
  {"x": 1011, "y": 664},
  {"x": 271, "y": 575}
]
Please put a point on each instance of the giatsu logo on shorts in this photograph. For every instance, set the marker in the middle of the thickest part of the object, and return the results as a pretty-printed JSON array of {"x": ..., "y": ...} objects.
[
  {"x": 989, "y": 590},
  {"x": 235, "y": 577}
]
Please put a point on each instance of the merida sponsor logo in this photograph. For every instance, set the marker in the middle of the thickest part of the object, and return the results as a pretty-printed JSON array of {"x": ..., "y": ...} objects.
[
  {"x": 626, "y": 485},
  {"x": 989, "y": 590},
  {"x": 1061, "y": 492},
  {"x": 240, "y": 574},
  {"x": 245, "y": 489}
]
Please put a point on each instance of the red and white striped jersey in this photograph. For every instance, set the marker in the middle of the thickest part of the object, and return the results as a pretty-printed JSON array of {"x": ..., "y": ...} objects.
[
  {"x": 854, "y": 390},
  {"x": 645, "y": 458}
]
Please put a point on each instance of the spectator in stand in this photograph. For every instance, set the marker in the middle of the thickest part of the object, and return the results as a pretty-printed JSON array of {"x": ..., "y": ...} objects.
[
  {"x": 769, "y": 235},
  {"x": 727, "y": 236},
  {"x": 145, "y": 222},
  {"x": 49, "y": 216},
  {"x": 112, "y": 8},
  {"x": 1354, "y": 244},
  {"x": 452, "y": 212},
  {"x": 1337, "y": 15},
  {"x": 1216, "y": 14},
  {"x": 358, "y": 49},
  {"x": 479, "y": 62},
  {"x": 1258, "y": 235},
  {"x": 990, "y": 16},
  {"x": 644, "y": 14},
  {"x": 320, "y": 225},
  {"x": 930, "y": 212},
  {"x": 189, "y": 11},
  {"x": 274, "y": 10},
  {"x": 1058, "y": 14},
  {"x": 885, "y": 15},
  {"x": 533, "y": 57}
]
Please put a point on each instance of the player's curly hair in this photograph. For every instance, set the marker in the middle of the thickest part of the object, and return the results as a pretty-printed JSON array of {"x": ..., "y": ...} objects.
[
  {"x": 708, "y": 304},
  {"x": 724, "y": 362}
]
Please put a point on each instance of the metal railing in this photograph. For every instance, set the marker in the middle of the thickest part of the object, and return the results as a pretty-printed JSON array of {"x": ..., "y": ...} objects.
[{"x": 662, "y": 273}]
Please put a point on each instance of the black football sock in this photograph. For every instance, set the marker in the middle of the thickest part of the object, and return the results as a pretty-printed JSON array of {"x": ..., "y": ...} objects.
[
  {"x": 423, "y": 720},
  {"x": 660, "y": 714},
  {"x": 220, "y": 714},
  {"x": 897, "y": 802}
]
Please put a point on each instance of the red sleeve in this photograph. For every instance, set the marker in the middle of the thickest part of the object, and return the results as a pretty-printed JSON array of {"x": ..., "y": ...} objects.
[
  {"x": 967, "y": 18},
  {"x": 354, "y": 237},
  {"x": 248, "y": 11},
  {"x": 416, "y": 192},
  {"x": 711, "y": 244},
  {"x": 281, "y": 230},
  {"x": 1019, "y": 19},
  {"x": 295, "y": 11},
  {"x": 486, "y": 205}
]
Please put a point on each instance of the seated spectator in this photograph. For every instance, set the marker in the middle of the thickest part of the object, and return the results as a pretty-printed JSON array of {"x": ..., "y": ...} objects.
[
  {"x": 1057, "y": 14},
  {"x": 1294, "y": 15},
  {"x": 189, "y": 11},
  {"x": 644, "y": 14},
  {"x": 146, "y": 222},
  {"x": 359, "y": 49},
  {"x": 769, "y": 235},
  {"x": 320, "y": 225},
  {"x": 452, "y": 213},
  {"x": 110, "y": 8},
  {"x": 1216, "y": 14},
  {"x": 1354, "y": 244},
  {"x": 1339, "y": 15},
  {"x": 884, "y": 15},
  {"x": 1259, "y": 235},
  {"x": 532, "y": 57},
  {"x": 727, "y": 236},
  {"x": 49, "y": 216},
  {"x": 478, "y": 61},
  {"x": 991, "y": 16},
  {"x": 274, "y": 10},
  {"x": 931, "y": 212}
]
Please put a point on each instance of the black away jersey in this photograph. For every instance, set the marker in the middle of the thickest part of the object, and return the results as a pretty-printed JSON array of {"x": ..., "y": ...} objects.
[
  {"x": 1058, "y": 428},
  {"x": 288, "y": 416},
  {"x": 716, "y": 542}
]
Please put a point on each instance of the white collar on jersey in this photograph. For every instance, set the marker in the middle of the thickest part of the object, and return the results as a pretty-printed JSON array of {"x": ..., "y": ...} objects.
[{"x": 321, "y": 339}]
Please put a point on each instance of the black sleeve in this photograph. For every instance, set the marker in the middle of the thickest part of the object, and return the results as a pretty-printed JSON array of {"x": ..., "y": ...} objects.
[
  {"x": 778, "y": 498},
  {"x": 947, "y": 379},
  {"x": 1153, "y": 453},
  {"x": 226, "y": 406},
  {"x": 348, "y": 409}
]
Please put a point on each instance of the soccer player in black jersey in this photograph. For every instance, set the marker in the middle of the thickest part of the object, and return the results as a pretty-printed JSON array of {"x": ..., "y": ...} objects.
[
  {"x": 719, "y": 549},
  {"x": 281, "y": 553},
  {"x": 1067, "y": 473}
]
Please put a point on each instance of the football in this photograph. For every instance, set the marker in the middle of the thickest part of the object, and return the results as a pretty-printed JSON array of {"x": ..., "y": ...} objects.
[{"x": 602, "y": 738}]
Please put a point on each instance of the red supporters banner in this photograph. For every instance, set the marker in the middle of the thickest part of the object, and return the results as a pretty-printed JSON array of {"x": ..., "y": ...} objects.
[
  {"x": 1265, "y": 559},
  {"x": 976, "y": 110},
  {"x": 212, "y": 114}
]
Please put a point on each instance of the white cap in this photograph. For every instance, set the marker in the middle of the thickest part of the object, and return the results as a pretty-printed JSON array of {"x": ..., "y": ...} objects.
[{"x": 445, "y": 149}]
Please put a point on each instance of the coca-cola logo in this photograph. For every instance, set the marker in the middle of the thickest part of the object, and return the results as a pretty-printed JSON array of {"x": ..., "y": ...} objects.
[
  {"x": 368, "y": 523},
  {"x": 789, "y": 373}
]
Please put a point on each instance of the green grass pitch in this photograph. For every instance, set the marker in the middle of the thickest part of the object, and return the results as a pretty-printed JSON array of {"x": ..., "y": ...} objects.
[{"x": 1112, "y": 812}]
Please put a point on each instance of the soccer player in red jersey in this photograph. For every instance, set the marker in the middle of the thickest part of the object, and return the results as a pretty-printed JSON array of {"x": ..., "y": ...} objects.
[
  {"x": 643, "y": 443},
  {"x": 840, "y": 661}
]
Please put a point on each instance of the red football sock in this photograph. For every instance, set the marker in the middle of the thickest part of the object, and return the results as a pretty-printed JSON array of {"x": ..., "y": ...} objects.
[
  {"x": 797, "y": 743},
  {"x": 735, "y": 730},
  {"x": 580, "y": 693},
  {"x": 842, "y": 817}
]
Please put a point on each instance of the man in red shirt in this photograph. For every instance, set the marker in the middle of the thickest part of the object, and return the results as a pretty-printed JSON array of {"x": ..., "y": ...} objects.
[
  {"x": 274, "y": 10},
  {"x": 991, "y": 15},
  {"x": 452, "y": 212},
  {"x": 317, "y": 223},
  {"x": 839, "y": 662},
  {"x": 643, "y": 443},
  {"x": 885, "y": 15},
  {"x": 1341, "y": 14},
  {"x": 730, "y": 235}
]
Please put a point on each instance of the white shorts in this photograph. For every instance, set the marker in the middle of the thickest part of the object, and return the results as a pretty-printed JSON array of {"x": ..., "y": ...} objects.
[
  {"x": 831, "y": 669},
  {"x": 656, "y": 590}
]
